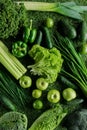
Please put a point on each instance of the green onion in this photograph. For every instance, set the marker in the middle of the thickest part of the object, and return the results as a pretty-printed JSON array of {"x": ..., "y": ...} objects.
[
  {"x": 16, "y": 96},
  {"x": 74, "y": 66},
  {"x": 69, "y": 9}
]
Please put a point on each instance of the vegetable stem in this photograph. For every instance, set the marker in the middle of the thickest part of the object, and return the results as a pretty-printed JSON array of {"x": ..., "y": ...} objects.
[
  {"x": 7, "y": 63},
  {"x": 38, "y": 6},
  {"x": 11, "y": 63},
  {"x": 16, "y": 61},
  {"x": 69, "y": 9}
]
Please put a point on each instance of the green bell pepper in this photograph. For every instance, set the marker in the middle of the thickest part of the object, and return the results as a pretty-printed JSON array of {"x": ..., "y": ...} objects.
[{"x": 19, "y": 49}]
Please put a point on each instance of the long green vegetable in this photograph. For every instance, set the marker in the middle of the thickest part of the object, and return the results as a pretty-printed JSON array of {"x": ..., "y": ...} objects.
[
  {"x": 11, "y": 95},
  {"x": 50, "y": 119},
  {"x": 10, "y": 62},
  {"x": 69, "y": 9},
  {"x": 75, "y": 67}
]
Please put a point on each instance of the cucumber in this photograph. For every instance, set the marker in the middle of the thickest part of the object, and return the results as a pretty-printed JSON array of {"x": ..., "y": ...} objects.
[
  {"x": 13, "y": 121},
  {"x": 38, "y": 39},
  {"x": 66, "y": 29},
  {"x": 7, "y": 103},
  {"x": 47, "y": 37},
  {"x": 82, "y": 32}
]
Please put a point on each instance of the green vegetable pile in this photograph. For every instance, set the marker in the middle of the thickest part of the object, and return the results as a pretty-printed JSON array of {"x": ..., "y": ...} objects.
[{"x": 43, "y": 65}]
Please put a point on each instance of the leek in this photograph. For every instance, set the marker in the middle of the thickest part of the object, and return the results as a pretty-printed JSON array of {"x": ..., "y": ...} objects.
[{"x": 69, "y": 9}]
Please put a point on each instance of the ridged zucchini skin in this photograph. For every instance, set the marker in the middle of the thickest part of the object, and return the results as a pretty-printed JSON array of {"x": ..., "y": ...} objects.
[
  {"x": 49, "y": 120},
  {"x": 66, "y": 29},
  {"x": 82, "y": 32},
  {"x": 13, "y": 121}
]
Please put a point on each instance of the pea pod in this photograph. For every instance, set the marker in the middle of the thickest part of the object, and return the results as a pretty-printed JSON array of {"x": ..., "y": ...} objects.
[{"x": 19, "y": 49}]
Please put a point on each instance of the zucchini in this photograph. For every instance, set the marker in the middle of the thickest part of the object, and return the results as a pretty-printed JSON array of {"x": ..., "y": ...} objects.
[
  {"x": 82, "y": 32},
  {"x": 66, "y": 29}
]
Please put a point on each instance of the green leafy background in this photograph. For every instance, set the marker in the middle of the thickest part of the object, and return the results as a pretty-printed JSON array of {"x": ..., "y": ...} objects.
[{"x": 38, "y": 18}]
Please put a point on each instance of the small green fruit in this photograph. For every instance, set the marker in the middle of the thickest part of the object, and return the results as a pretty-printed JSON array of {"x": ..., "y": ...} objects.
[{"x": 69, "y": 94}]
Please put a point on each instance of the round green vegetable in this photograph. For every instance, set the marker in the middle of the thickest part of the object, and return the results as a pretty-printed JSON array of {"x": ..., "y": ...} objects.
[
  {"x": 49, "y": 22},
  {"x": 36, "y": 93},
  {"x": 19, "y": 49},
  {"x": 69, "y": 94},
  {"x": 53, "y": 96},
  {"x": 37, "y": 104},
  {"x": 41, "y": 84},
  {"x": 25, "y": 81}
]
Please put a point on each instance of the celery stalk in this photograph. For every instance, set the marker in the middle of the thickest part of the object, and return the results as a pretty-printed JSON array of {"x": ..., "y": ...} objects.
[
  {"x": 69, "y": 9},
  {"x": 6, "y": 61},
  {"x": 16, "y": 62}
]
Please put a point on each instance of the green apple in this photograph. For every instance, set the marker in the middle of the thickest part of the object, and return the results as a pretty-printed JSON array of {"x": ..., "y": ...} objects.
[
  {"x": 53, "y": 96},
  {"x": 36, "y": 93},
  {"x": 41, "y": 84},
  {"x": 69, "y": 94},
  {"x": 37, "y": 104},
  {"x": 25, "y": 81}
]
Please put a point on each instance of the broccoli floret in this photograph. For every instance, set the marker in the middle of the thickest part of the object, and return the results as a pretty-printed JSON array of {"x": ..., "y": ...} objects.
[
  {"x": 12, "y": 18},
  {"x": 48, "y": 62},
  {"x": 13, "y": 121},
  {"x": 77, "y": 120}
]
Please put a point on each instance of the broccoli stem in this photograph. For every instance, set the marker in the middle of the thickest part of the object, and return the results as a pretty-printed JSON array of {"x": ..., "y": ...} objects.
[{"x": 66, "y": 8}]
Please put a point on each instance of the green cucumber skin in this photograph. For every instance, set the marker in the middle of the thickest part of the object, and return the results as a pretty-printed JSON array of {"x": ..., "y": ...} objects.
[
  {"x": 66, "y": 29},
  {"x": 38, "y": 39},
  {"x": 82, "y": 32},
  {"x": 47, "y": 36},
  {"x": 8, "y": 103}
]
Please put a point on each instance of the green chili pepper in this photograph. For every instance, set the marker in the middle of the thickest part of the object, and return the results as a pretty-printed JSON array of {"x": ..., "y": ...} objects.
[
  {"x": 19, "y": 49},
  {"x": 26, "y": 34},
  {"x": 33, "y": 34}
]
